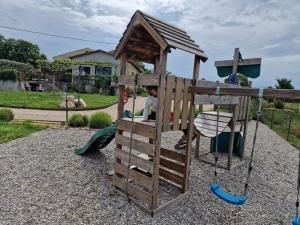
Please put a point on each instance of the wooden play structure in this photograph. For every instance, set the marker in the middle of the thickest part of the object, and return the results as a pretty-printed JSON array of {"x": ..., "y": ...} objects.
[
  {"x": 149, "y": 40},
  {"x": 145, "y": 163},
  {"x": 141, "y": 163}
]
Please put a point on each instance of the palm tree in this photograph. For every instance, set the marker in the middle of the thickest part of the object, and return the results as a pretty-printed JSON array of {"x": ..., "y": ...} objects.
[{"x": 284, "y": 83}]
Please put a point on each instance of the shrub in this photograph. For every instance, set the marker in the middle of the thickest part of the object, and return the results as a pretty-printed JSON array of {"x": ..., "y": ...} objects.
[
  {"x": 9, "y": 74},
  {"x": 100, "y": 120},
  {"x": 279, "y": 104},
  {"x": 141, "y": 91},
  {"x": 78, "y": 120},
  {"x": 6, "y": 114}
]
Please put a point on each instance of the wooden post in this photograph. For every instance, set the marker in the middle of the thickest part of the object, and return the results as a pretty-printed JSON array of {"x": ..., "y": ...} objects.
[
  {"x": 197, "y": 150},
  {"x": 158, "y": 123},
  {"x": 235, "y": 60},
  {"x": 191, "y": 127},
  {"x": 246, "y": 126},
  {"x": 232, "y": 134},
  {"x": 123, "y": 60}
]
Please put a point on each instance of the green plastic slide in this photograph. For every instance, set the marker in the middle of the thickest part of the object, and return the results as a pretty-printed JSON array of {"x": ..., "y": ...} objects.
[{"x": 99, "y": 140}]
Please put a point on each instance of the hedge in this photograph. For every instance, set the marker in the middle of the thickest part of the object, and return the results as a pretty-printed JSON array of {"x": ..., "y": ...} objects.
[{"x": 9, "y": 75}]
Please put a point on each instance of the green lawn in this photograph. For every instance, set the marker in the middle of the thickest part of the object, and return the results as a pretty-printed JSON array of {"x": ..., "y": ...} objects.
[
  {"x": 50, "y": 100},
  {"x": 280, "y": 121},
  {"x": 13, "y": 130}
]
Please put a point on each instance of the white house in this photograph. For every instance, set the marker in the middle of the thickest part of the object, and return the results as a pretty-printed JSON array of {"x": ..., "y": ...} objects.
[{"x": 96, "y": 63}]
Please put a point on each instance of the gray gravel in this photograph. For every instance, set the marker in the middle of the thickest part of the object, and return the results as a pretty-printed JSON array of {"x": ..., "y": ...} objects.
[{"x": 44, "y": 182}]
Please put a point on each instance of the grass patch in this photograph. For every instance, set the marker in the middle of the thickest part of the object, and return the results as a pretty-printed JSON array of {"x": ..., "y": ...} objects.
[
  {"x": 94, "y": 101},
  {"x": 50, "y": 100},
  {"x": 13, "y": 130},
  {"x": 278, "y": 121}
]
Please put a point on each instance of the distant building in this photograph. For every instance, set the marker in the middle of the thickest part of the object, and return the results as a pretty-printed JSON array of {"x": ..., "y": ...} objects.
[{"x": 95, "y": 63}]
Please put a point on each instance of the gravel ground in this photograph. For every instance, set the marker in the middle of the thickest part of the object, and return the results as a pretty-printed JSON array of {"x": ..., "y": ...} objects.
[{"x": 44, "y": 182}]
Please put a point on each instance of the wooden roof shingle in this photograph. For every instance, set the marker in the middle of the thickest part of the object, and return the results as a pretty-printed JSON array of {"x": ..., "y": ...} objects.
[{"x": 164, "y": 35}]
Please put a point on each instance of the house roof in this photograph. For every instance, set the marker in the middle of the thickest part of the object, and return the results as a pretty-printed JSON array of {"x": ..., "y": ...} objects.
[
  {"x": 92, "y": 52},
  {"x": 74, "y": 53},
  {"x": 145, "y": 35}
]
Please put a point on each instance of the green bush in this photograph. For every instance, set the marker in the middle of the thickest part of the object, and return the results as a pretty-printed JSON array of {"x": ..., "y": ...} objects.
[
  {"x": 78, "y": 120},
  {"x": 100, "y": 120},
  {"x": 6, "y": 114},
  {"x": 141, "y": 91},
  {"x": 279, "y": 104},
  {"x": 9, "y": 74}
]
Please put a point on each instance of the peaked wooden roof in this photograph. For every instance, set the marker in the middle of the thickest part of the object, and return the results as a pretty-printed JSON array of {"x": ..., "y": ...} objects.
[{"x": 145, "y": 35}]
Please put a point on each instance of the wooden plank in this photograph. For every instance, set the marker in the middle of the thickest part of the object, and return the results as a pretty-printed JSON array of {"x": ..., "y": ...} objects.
[
  {"x": 138, "y": 145},
  {"x": 172, "y": 165},
  {"x": 180, "y": 41},
  {"x": 286, "y": 94},
  {"x": 159, "y": 118},
  {"x": 210, "y": 122},
  {"x": 183, "y": 37},
  {"x": 135, "y": 175},
  {"x": 169, "y": 204},
  {"x": 186, "y": 48},
  {"x": 245, "y": 62},
  {"x": 141, "y": 129},
  {"x": 125, "y": 38},
  {"x": 190, "y": 127},
  {"x": 177, "y": 102},
  {"x": 168, "y": 102},
  {"x": 162, "y": 43},
  {"x": 123, "y": 61},
  {"x": 212, "y": 99},
  {"x": 172, "y": 155},
  {"x": 132, "y": 190},
  {"x": 204, "y": 118},
  {"x": 135, "y": 160},
  {"x": 145, "y": 80},
  {"x": 185, "y": 104},
  {"x": 231, "y": 137},
  {"x": 201, "y": 126},
  {"x": 157, "y": 22},
  {"x": 207, "y": 83},
  {"x": 171, "y": 176}
]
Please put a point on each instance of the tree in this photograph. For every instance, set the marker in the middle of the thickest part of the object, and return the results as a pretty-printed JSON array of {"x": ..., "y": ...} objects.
[
  {"x": 20, "y": 51},
  {"x": 284, "y": 83}
]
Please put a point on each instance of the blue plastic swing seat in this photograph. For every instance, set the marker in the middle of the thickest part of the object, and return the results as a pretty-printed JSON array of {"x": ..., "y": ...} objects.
[
  {"x": 296, "y": 220},
  {"x": 227, "y": 197}
]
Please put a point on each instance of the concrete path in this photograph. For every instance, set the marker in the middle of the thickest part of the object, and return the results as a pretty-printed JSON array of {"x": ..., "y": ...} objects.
[
  {"x": 60, "y": 116},
  {"x": 51, "y": 115}
]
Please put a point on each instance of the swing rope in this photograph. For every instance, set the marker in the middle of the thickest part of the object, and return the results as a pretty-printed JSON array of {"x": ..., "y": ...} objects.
[
  {"x": 258, "y": 116},
  {"x": 296, "y": 219},
  {"x": 217, "y": 136},
  {"x": 298, "y": 189},
  {"x": 131, "y": 134}
]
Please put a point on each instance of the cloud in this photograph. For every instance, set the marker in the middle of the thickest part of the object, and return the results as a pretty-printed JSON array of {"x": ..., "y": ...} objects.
[{"x": 267, "y": 29}]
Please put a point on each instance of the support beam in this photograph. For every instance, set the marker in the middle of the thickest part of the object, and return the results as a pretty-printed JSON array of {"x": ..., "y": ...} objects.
[
  {"x": 286, "y": 94},
  {"x": 159, "y": 117},
  {"x": 191, "y": 127}
]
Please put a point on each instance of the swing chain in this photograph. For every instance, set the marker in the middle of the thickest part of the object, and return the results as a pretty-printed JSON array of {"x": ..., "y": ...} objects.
[
  {"x": 258, "y": 116},
  {"x": 217, "y": 134}
]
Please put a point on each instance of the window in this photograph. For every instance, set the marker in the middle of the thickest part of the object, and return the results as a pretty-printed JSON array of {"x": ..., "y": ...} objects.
[
  {"x": 104, "y": 71},
  {"x": 84, "y": 70}
]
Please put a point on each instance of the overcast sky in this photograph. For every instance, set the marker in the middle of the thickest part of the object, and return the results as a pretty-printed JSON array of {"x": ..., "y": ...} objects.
[{"x": 260, "y": 28}]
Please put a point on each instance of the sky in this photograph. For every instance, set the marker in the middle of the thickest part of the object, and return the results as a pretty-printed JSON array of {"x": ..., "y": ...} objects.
[{"x": 269, "y": 29}]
